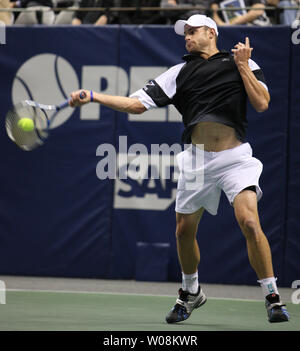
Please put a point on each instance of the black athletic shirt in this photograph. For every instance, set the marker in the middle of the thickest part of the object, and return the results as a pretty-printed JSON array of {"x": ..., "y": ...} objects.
[{"x": 209, "y": 90}]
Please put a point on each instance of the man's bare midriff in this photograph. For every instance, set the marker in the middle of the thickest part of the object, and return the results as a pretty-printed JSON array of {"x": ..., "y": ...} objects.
[{"x": 214, "y": 136}]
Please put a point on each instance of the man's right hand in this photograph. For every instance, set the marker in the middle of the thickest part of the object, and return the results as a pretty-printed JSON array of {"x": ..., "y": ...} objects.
[{"x": 77, "y": 100}]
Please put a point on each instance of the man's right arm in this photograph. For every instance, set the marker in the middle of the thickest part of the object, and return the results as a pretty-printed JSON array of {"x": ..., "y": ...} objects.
[
  {"x": 118, "y": 103},
  {"x": 156, "y": 93}
]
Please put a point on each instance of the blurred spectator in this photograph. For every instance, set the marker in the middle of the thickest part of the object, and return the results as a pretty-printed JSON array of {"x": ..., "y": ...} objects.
[
  {"x": 255, "y": 16},
  {"x": 42, "y": 15},
  {"x": 121, "y": 17},
  {"x": 146, "y": 17},
  {"x": 98, "y": 18},
  {"x": 287, "y": 16},
  {"x": 29, "y": 3},
  {"x": 6, "y": 17},
  {"x": 65, "y": 17},
  {"x": 173, "y": 16}
]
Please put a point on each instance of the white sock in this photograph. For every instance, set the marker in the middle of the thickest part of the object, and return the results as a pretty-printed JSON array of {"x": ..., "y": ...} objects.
[
  {"x": 268, "y": 286},
  {"x": 190, "y": 282}
]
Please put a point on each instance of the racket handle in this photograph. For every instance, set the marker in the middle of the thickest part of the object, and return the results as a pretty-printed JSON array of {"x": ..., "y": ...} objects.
[
  {"x": 63, "y": 105},
  {"x": 82, "y": 95},
  {"x": 66, "y": 102}
]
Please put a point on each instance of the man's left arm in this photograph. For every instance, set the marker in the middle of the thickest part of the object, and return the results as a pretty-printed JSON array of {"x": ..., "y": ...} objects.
[{"x": 258, "y": 95}]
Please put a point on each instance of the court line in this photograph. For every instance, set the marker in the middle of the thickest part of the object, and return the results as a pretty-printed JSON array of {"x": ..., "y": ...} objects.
[{"x": 125, "y": 294}]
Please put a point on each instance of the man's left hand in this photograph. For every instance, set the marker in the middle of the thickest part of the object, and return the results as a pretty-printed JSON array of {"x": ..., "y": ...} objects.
[{"x": 242, "y": 52}]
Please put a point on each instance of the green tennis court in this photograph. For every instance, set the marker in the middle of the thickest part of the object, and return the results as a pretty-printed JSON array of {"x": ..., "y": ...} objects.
[{"x": 68, "y": 311}]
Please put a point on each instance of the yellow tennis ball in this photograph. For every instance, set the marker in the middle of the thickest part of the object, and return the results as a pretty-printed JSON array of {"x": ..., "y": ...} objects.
[{"x": 26, "y": 124}]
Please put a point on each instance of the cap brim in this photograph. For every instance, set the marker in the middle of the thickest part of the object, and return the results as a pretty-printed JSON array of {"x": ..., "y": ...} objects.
[{"x": 179, "y": 27}]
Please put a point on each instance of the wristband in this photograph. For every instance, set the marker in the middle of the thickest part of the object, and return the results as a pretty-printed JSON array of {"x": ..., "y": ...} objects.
[{"x": 91, "y": 94}]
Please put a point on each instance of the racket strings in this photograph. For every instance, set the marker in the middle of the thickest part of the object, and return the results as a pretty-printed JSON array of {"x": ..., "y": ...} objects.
[{"x": 27, "y": 140}]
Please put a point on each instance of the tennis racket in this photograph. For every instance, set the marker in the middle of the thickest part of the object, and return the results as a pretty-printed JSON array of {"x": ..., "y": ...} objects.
[{"x": 42, "y": 117}]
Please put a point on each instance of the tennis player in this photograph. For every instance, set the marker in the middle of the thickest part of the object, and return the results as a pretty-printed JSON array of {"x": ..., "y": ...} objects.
[{"x": 210, "y": 89}]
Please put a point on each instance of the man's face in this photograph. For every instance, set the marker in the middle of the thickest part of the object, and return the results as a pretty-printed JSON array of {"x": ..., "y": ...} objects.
[{"x": 196, "y": 38}]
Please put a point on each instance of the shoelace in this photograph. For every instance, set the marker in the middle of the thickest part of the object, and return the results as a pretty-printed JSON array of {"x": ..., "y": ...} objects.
[
  {"x": 178, "y": 307},
  {"x": 182, "y": 295},
  {"x": 279, "y": 306}
]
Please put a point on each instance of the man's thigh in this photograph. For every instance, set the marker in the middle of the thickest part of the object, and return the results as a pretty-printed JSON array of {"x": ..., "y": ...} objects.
[{"x": 245, "y": 207}]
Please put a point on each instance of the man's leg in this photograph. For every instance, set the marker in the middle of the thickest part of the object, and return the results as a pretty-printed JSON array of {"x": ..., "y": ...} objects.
[
  {"x": 259, "y": 253},
  {"x": 191, "y": 295},
  {"x": 187, "y": 245}
]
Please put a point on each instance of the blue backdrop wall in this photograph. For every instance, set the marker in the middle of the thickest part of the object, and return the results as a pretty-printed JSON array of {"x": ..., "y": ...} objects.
[{"x": 58, "y": 218}]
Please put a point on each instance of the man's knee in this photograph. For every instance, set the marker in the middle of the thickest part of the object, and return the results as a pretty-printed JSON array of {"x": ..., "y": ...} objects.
[
  {"x": 187, "y": 224},
  {"x": 250, "y": 227},
  {"x": 185, "y": 230}
]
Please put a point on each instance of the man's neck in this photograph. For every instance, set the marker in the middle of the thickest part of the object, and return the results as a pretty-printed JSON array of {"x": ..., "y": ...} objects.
[{"x": 208, "y": 53}]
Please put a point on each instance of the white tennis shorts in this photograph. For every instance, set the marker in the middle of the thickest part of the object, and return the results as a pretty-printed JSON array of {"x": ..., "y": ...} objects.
[{"x": 204, "y": 174}]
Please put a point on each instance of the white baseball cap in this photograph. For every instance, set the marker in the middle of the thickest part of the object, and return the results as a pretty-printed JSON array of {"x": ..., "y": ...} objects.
[{"x": 195, "y": 21}]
